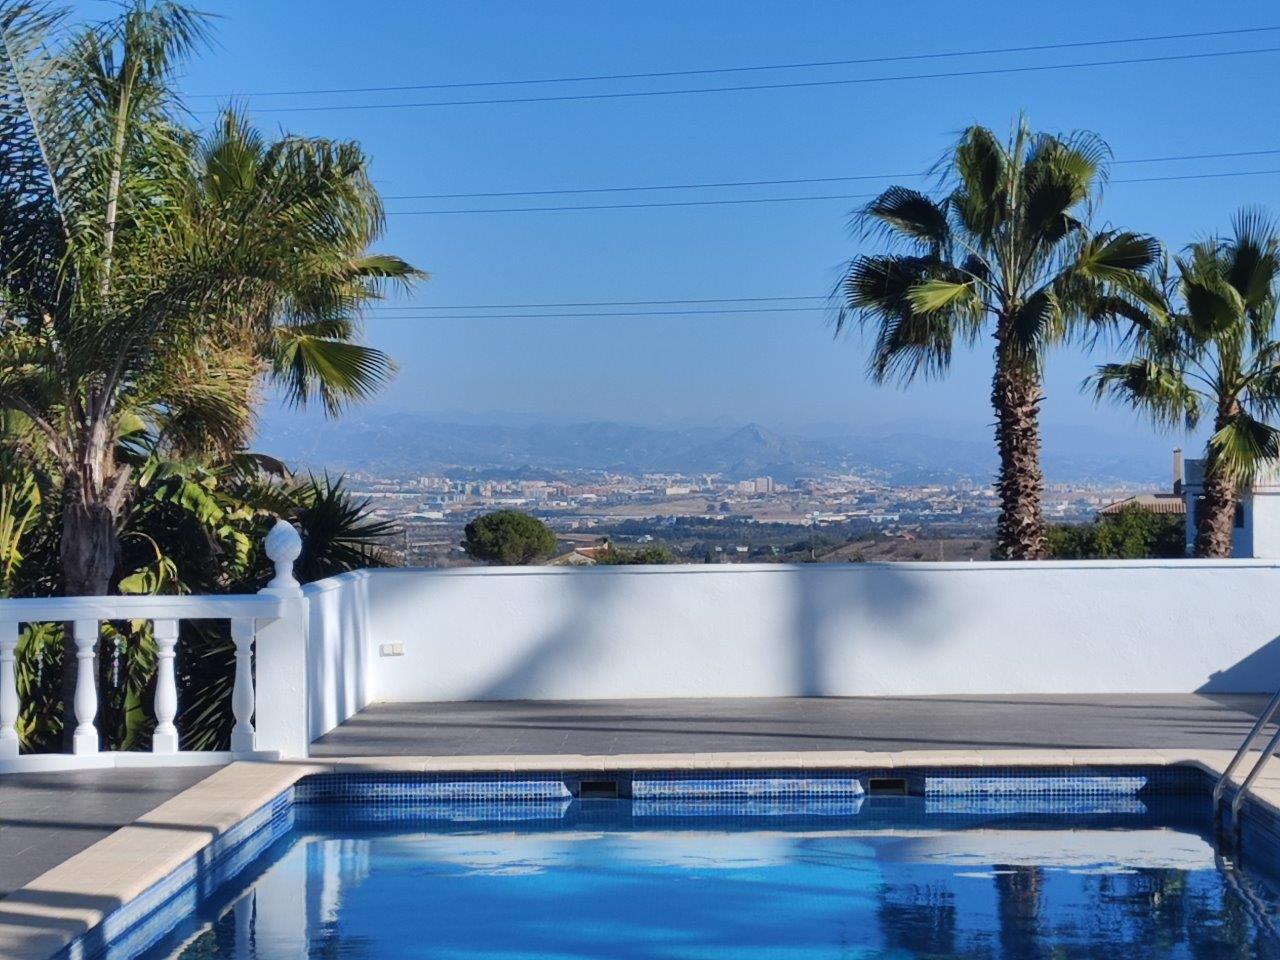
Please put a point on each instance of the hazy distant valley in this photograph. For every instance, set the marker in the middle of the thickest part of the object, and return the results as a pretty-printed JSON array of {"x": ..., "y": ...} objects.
[{"x": 411, "y": 444}]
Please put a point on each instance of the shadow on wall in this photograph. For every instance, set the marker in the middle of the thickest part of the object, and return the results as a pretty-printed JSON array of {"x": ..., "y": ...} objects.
[
  {"x": 415, "y": 596},
  {"x": 832, "y": 609},
  {"x": 1259, "y": 672},
  {"x": 836, "y": 607},
  {"x": 567, "y": 644},
  {"x": 817, "y": 630}
]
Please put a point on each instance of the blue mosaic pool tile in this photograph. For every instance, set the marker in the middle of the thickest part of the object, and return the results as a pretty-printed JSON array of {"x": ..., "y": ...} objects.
[
  {"x": 746, "y": 784},
  {"x": 1032, "y": 786},
  {"x": 423, "y": 787},
  {"x": 976, "y": 805},
  {"x": 747, "y": 807},
  {"x": 322, "y": 815},
  {"x": 1063, "y": 781}
]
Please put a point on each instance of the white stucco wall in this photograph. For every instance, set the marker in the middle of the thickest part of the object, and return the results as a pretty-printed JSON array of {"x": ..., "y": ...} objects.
[
  {"x": 339, "y": 657},
  {"x": 813, "y": 630}
]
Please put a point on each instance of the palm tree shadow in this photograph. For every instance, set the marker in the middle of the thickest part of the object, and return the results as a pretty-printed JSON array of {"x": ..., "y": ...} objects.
[{"x": 840, "y": 613}]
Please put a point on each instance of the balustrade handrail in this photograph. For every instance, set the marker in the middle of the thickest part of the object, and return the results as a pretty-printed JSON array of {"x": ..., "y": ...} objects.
[{"x": 260, "y": 606}]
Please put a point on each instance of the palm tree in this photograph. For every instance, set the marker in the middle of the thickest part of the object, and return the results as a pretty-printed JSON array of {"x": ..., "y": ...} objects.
[
  {"x": 1206, "y": 345},
  {"x": 1007, "y": 248},
  {"x": 151, "y": 278}
]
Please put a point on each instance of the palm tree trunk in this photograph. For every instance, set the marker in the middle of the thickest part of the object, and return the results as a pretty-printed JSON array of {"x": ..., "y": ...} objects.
[
  {"x": 90, "y": 548},
  {"x": 1216, "y": 514},
  {"x": 1216, "y": 508},
  {"x": 1015, "y": 397}
]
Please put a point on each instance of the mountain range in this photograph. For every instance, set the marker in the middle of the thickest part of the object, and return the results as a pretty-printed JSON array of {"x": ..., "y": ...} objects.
[{"x": 402, "y": 444}]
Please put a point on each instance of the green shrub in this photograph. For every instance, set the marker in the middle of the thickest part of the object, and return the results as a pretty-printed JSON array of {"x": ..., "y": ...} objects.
[
  {"x": 612, "y": 556},
  {"x": 1131, "y": 534},
  {"x": 508, "y": 538}
]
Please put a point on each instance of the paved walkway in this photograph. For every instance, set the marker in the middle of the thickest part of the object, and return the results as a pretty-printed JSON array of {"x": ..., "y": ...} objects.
[
  {"x": 47, "y": 817},
  {"x": 770, "y": 724}
]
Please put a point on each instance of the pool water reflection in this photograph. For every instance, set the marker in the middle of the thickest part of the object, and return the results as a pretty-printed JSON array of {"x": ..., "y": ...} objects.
[{"x": 602, "y": 879}]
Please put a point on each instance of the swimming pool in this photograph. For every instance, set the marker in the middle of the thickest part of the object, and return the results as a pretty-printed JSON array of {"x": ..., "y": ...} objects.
[{"x": 720, "y": 866}]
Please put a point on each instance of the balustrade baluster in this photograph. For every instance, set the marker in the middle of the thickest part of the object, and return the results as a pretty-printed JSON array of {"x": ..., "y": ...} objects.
[
  {"x": 242, "y": 698},
  {"x": 165, "y": 737},
  {"x": 9, "y": 705},
  {"x": 85, "y": 740}
]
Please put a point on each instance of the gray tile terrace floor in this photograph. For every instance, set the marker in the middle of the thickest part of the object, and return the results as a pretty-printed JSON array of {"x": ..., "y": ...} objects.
[
  {"x": 47, "y": 817},
  {"x": 836, "y": 723}
]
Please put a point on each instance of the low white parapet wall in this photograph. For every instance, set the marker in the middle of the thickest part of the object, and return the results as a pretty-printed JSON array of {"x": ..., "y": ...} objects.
[{"x": 809, "y": 630}]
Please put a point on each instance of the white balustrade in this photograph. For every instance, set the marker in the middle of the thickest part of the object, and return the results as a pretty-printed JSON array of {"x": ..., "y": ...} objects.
[
  {"x": 85, "y": 740},
  {"x": 242, "y": 737},
  {"x": 9, "y": 705},
  {"x": 165, "y": 737},
  {"x": 247, "y": 613}
]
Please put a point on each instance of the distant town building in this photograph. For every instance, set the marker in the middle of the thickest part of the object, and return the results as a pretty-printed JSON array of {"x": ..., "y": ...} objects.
[
  {"x": 763, "y": 485},
  {"x": 1257, "y": 522},
  {"x": 581, "y": 557},
  {"x": 1171, "y": 502}
]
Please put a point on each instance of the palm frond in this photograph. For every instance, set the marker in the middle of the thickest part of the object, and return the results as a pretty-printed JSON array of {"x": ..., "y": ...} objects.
[
  {"x": 1253, "y": 256},
  {"x": 937, "y": 294},
  {"x": 1241, "y": 445},
  {"x": 1120, "y": 258},
  {"x": 338, "y": 532},
  {"x": 1156, "y": 388},
  {"x": 34, "y": 229},
  {"x": 980, "y": 165},
  {"x": 311, "y": 366},
  {"x": 905, "y": 214}
]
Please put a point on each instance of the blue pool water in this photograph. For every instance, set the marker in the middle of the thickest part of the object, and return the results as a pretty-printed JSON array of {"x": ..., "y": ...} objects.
[{"x": 889, "y": 878}]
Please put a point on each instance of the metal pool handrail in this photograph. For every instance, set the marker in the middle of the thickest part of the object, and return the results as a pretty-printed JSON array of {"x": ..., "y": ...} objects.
[{"x": 1221, "y": 786}]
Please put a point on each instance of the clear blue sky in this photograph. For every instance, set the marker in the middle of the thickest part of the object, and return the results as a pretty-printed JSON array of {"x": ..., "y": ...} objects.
[{"x": 780, "y": 368}]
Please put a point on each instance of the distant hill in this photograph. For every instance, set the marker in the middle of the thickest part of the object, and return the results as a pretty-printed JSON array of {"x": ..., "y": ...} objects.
[
  {"x": 753, "y": 451},
  {"x": 407, "y": 444}
]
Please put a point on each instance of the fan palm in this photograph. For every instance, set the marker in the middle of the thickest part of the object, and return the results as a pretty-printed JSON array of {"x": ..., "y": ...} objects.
[
  {"x": 1206, "y": 346},
  {"x": 151, "y": 278},
  {"x": 1007, "y": 248}
]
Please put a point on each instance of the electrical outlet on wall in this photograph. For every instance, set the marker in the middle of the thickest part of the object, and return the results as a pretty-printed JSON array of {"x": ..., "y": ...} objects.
[{"x": 391, "y": 649}]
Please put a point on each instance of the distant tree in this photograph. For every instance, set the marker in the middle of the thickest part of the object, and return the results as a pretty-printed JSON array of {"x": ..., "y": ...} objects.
[
  {"x": 611, "y": 556},
  {"x": 508, "y": 538},
  {"x": 1131, "y": 534}
]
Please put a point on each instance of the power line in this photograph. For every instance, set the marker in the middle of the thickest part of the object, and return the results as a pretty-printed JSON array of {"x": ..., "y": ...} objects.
[
  {"x": 664, "y": 186},
  {"x": 769, "y": 183},
  {"x": 776, "y": 66},
  {"x": 596, "y": 315},
  {"x": 1201, "y": 176},
  {"x": 748, "y": 200},
  {"x": 631, "y": 94},
  {"x": 591, "y": 303},
  {"x": 630, "y": 206}
]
